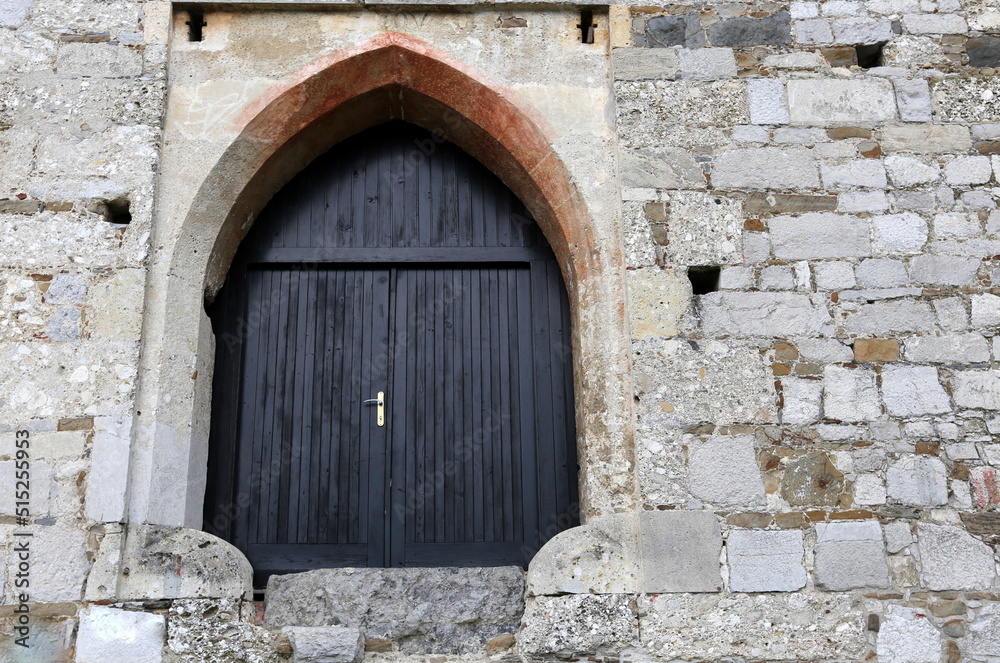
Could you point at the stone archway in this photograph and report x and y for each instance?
(392, 76)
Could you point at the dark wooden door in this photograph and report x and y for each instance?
(394, 263)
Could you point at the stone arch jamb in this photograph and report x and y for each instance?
(391, 76)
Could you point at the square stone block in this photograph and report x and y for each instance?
(680, 551)
(850, 555)
(765, 561)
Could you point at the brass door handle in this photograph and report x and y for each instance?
(380, 412)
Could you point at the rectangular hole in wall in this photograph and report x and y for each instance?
(196, 24)
(586, 26)
(704, 279)
(869, 55)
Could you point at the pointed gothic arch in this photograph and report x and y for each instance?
(393, 76)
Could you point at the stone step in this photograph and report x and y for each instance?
(446, 610)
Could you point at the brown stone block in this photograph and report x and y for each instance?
(792, 520)
(765, 203)
(59, 206)
(500, 643)
(76, 423)
(988, 147)
(19, 206)
(784, 351)
(840, 56)
(382, 646)
(816, 516)
(853, 514)
(948, 608)
(749, 520)
(870, 150)
(808, 368)
(868, 350)
(930, 448)
(982, 524)
(781, 369)
(840, 133)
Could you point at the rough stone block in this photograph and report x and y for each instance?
(952, 348)
(850, 556)
(910, 391)
(907, 636)
(927, 139)
(766, 168)
(898, 535)
(977, 389)
(952, 559)
(914, 99)
(325, 644)
(745, 31)
(634, 64)
(984, 633)
(819, 235)
(936, 24)
(956, 225)
(881, 273)
(812, 480)
(934, 269)
(106, 485)
(869, 490)
(772, 203)
(858, 102)
(601, 557)
(579, 623)
(968, 170)
(834, 275)
(985, 310)
(823, 349)
(707, 64)
(802, 401)
(859, 172)
(813, 31)
(868, 350)
(862, 30)
(795, 60)
(765, 561)
(907, 171)
(918, 480)
(660, 168)
(680, 551)
(65, 324)
(984, 51)
(777, 277)
(658, 299)
(899, 233)
(701, 627)
(678, 30)
(704, 229)
(744, 314)
(985, 486)
(850, 394)
(110, 634)
(426, 610)
(768, 104)
(98, 61)
(723, 472)
(13, 12)
(862, 201)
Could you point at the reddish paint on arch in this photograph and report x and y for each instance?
(422, 85)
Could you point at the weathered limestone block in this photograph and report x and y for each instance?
(647, 110)
(110, 634)
(765, 560)
(766, 168)
(98, 60)
(58, 562)
(768, 103)
(743, 314)
(914, 99)
(910, 391)
(850, 555)
(660, 168)
(580, 624)
(635, 64)
(899, 233)
(757, 627)
(977, 389)
(723, 472)
(676, 30)
(107, 482)
(927, 139)
(985, 310)
(746, 31)
(951, 558)
(948, 349)
(937, 24)
(601, 557)
(984, 632)
(167, 562)
(722, 382)
(819, 235)
(325, 644)
(907, 636)
(881, 273)
(857, 102)
(908, 171)
(834, 275)
(812, 480)
(850, 394)
(658, 300)
(855, 173)
(802, 401)
(889, 317)
(968, 170)
(920, 480)
(707, 64)
(704, 229)
(425, 610)
(869, 490)
(680, 551)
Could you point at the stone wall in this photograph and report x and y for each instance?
(817, 431)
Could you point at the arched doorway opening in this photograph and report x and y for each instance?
(394, 269)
